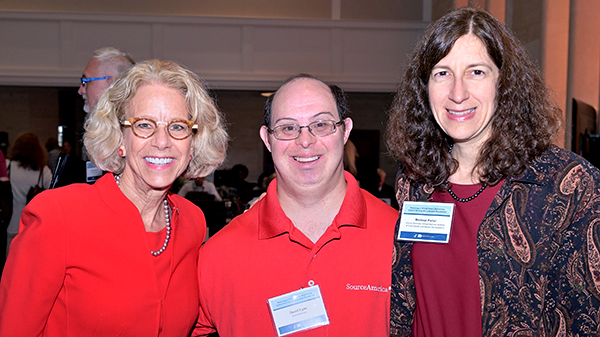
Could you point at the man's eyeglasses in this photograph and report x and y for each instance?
(84, 80)
(145, 127)
(316, 128)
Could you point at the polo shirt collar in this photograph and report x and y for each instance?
(273, 222)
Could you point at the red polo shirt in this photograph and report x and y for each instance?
(260, 255)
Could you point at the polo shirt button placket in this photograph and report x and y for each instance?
(310, 282)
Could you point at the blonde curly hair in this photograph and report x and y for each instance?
(104, 134)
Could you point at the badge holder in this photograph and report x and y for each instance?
(426, 221)
(297, 311)
(92, 173)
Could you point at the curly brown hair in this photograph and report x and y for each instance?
(524, 123)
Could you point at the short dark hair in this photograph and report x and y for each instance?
(341, 100)
(524, 123)
(240, 168)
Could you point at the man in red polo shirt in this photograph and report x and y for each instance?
(313, 257)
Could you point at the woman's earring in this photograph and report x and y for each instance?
(120, 152)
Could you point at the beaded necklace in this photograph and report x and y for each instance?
(167, 219)
(465, 199)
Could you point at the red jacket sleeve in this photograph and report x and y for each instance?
(35, 270)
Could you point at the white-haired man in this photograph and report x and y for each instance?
(102, 69)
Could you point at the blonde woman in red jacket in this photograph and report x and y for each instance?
(118, 258)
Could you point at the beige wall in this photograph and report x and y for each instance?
(560, 34)
(441, 7)
(317, 9)
(27, 109)
(56, 39)
(283, 9)
(555, 56)
(584, 51)
(527, 24)
(382, 10)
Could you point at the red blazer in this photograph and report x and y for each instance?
(81, 267)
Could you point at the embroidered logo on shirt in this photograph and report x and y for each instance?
(367, 287)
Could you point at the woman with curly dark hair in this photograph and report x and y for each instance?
(472, 127)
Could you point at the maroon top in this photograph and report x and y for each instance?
(446, 275)
(3, 172)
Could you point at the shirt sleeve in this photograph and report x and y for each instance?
(212, 189)
(579, 258)
(204, 326)
(35, 270)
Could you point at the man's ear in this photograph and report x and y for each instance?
(349, 124)
(113, 77)
(264, 135)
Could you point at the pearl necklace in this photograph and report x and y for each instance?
(465, 199)
(167, 220)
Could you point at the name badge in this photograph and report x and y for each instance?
(298, 311)
(426, 221)
(92, 173)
